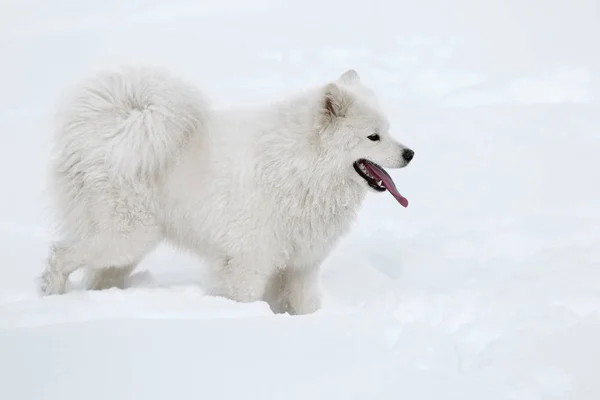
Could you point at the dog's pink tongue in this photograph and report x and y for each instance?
(388, 183)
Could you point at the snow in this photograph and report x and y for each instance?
(486, 287)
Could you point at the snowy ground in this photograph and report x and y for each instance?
(486, 287)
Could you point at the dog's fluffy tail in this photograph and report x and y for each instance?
(129, 125)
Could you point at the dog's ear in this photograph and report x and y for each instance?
(336, 102)
(350, 76)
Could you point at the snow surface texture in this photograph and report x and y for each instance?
(486, 287)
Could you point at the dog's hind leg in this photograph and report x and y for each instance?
(60, 265)
(98, 252)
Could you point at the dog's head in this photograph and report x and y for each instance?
(358, 135)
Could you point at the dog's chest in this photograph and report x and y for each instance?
(313, 225)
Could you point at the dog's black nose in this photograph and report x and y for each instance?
(408, 154)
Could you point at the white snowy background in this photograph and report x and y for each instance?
(487, 287)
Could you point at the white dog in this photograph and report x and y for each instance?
(262, 194)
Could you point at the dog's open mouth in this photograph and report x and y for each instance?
(378, 179)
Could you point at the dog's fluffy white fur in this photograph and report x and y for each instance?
(262, 194)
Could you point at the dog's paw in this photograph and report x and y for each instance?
(304, 305)
(299, 302)
(51, 283)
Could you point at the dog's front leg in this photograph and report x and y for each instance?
(240, 278)
(299, 291)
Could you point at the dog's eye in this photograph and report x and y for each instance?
(374, 137)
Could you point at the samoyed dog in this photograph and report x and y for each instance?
(262, 194)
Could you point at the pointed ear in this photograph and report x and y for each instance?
(336, 102)
(350, 76)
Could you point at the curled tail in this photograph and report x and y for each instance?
(128, 125)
